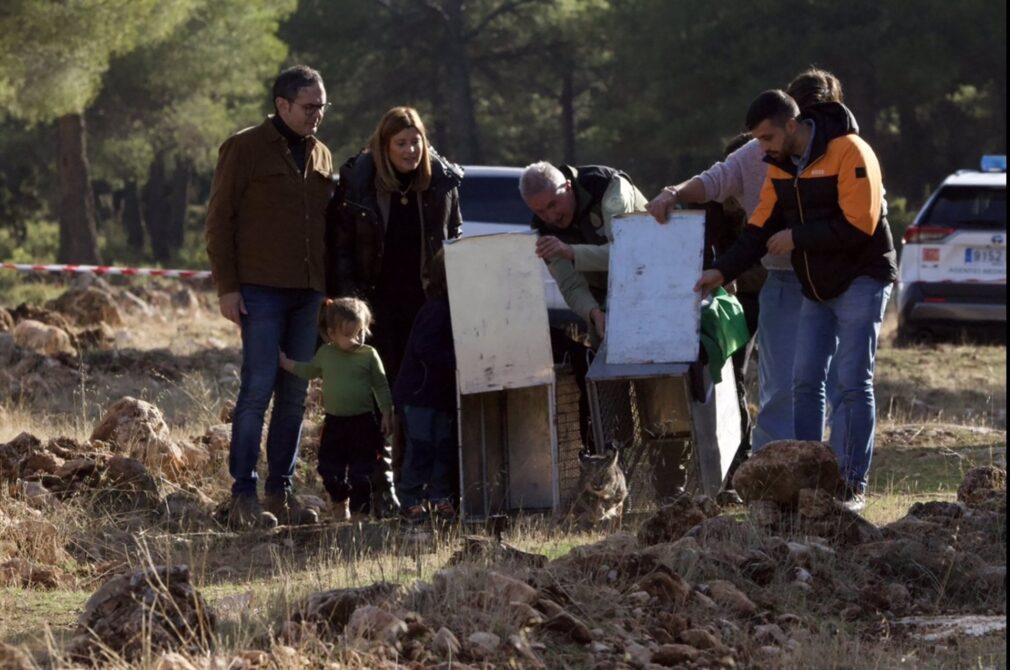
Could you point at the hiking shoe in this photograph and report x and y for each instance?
(289, 510)
(444, 511)
(246, 513)
(414, 515)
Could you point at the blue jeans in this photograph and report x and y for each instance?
(429, 458)
(277, 319)
(845, 329)
(780, 300)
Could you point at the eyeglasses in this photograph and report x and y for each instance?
(313, 109)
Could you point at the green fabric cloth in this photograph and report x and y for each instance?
(350, 379)
(723, 330)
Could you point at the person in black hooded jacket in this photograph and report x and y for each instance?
(396, 202)
(822, 201)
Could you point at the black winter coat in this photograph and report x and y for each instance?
(355, 229)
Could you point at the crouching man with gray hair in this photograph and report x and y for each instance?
(573, 208)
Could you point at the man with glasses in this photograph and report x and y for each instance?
(265, 240)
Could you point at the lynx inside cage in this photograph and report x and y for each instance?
(676, 430)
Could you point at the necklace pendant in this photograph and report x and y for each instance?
(403, 200)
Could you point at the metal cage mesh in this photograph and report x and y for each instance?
(656, 460)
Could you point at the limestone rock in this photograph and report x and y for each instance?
(185, 300)
(483, 644)
(7, 347)
(40, 463)
(726, 594)
(6, 321)
(97, 337)
(173, 661)
(23, 573)
(764, 512)
(779, 470)
(526, 656)
(699, 638)
(24, 311)
(769, 633)
(672, 521)
(524, 615)
(88, 306)
(374, 623)
(14, 658)
(445, 643)
(157, 609)
(669, 587)
(228, 412)
(126, 485)
(140, 428)
(567, 623)
(131, 303)
(670, 655)
(816, 503)
(217, 438)
(330, 611)
(982, 485)
(43, 339)
(507, 589)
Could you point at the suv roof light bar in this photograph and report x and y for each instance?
(993, 163)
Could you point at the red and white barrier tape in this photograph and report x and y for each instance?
(107, 270)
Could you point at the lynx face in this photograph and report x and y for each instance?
(602, 489)
(600, 475)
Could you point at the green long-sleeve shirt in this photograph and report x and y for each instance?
(350, 379)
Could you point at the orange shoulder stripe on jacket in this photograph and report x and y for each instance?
(860, 193)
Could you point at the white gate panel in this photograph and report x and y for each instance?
(499, 312)
(652, 308)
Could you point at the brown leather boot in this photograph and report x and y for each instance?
(246, 513)
(289, 510)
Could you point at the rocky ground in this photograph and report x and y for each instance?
(122, 511)
(693, 588)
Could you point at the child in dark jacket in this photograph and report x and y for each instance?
(425, 391)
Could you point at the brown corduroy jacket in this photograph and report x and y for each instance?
(265, 220)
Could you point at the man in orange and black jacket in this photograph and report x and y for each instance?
(822, 203)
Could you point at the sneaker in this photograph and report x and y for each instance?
(444, 511)
(289, 510)
(246, 513)
(853, 500)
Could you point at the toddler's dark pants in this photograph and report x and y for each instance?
(348, 449)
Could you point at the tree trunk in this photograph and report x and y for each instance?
(156, 214)
(133, 216)
(78, 234)
(465, 140)
(568, 116)
(178, 202)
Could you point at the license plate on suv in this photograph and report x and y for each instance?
(984, 257)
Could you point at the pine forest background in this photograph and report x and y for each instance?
(111, 111)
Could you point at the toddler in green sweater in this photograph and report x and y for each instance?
(353, 383)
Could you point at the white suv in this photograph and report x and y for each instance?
(490, 203)
(953, 263)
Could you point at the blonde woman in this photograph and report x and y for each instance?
(396, 203)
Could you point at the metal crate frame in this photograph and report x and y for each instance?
(617, 409)
(494, 484)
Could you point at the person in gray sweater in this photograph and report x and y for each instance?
(740, 176)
